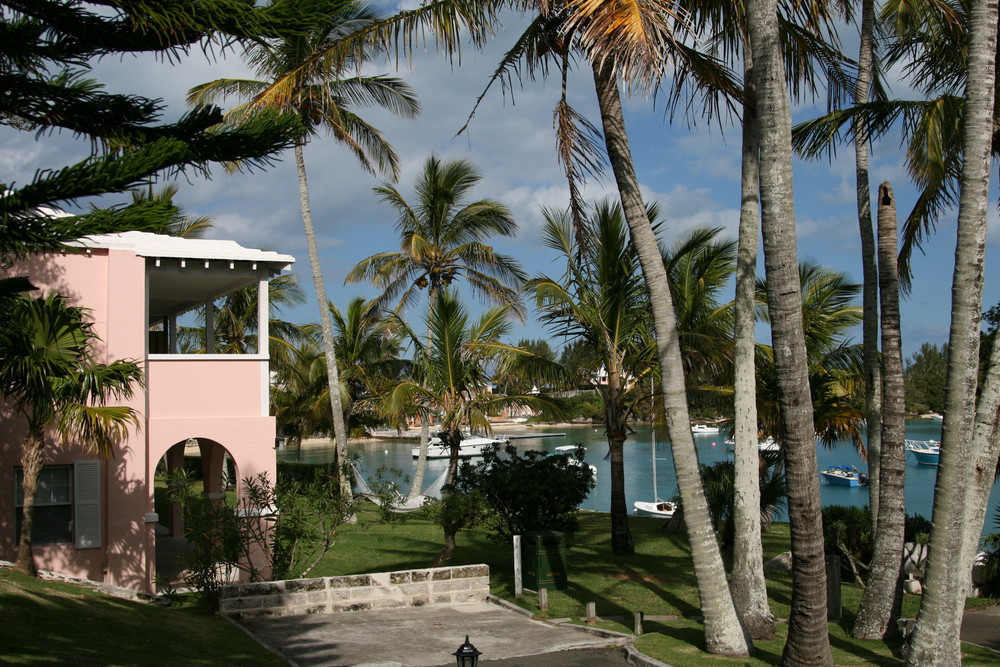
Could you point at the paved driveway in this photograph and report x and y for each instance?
(427, 636)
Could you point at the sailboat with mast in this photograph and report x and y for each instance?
(663, 509)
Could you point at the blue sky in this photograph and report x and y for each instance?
(692, 171)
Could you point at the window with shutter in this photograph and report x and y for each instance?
(87, 504)
(53, 514)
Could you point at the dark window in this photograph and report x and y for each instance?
(53, 516)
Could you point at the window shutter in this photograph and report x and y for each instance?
(87, 503)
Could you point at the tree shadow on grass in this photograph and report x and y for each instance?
(864, 654)
(693, 635)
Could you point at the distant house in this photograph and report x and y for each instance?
(95, 519)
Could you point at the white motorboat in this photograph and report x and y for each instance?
(926, 452)
(472, 445)
(768, 445)
(706, 429)
(569, 451)
(663, 509)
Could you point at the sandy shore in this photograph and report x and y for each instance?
(414, 433)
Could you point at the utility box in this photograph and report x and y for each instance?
(544, 560)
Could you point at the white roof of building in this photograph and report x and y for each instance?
(146, 244)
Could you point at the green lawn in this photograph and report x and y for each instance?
(53, 622)
(48, 622)
(657, 581)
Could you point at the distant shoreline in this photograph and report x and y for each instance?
(413, 434)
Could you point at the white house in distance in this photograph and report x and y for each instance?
(95, 519)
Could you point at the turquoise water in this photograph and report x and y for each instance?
(639, 472)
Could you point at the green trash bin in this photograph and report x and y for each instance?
(544, 560)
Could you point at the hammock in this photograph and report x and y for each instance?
(401, 503)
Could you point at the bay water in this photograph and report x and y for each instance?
(396, 454)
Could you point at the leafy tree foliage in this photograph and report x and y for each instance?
(47, 50)
(581, 360)
(925, 378)
(529, 491)
(538, 347)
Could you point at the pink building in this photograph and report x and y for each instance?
(95, 519)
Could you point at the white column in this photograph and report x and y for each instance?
(210, 327)
(263, 338)
(263, 319)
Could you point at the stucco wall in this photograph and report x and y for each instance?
(383, 590)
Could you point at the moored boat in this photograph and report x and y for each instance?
(925, 452)
(704, 428)
(569, 451)
(472, 445)
(663, 509)
(768, 445)
(844, 476)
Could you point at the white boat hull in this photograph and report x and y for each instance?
(663, 510)
(471, 446)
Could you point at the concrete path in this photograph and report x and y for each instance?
(982, 626)
(427, 636)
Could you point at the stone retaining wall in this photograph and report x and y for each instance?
(381, 590)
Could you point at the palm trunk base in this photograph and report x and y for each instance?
(622, 543)
(445, 554)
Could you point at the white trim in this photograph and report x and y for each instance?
(207, 357)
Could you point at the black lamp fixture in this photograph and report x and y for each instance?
(467, 655)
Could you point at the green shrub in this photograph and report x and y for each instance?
(529, 491)
(847, 532)
(918, 529)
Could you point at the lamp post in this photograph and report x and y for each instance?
(467, 655)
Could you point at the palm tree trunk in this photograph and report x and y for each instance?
(986, 444)
(883, 595)
(749, 587)
(622, 543)
(808, 639)
(425, 431)
(451, 437)
(31, 467)
(936, 639)
(869, 270)
(724, 633)
(326, 326)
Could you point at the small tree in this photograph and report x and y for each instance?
(528, 491)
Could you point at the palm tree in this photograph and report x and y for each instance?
(808, 639)
(883, 595)
(601, 299)
(834, 364)
(49, 371)
(936, 640)
(869, 266)
(723, 632)
(309, 77)
(699, 267)
(442, 240)
(299, 395)
(455, 364)
(368, 349)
